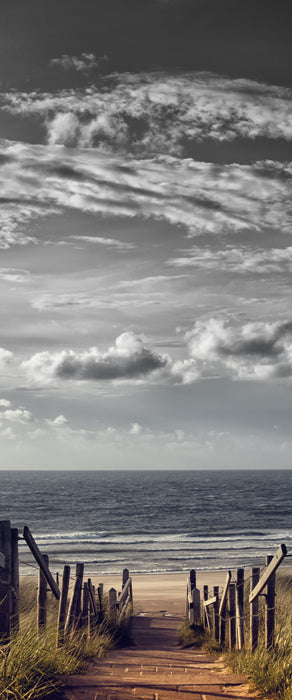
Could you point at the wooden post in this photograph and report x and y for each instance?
(71, 617)
(232, 627)
(207, 617)
(125, 577)
(85, 604)
(254, 610)
(63, 604)
(216, 613)
(42, 597)
(222, 608)
(240, 609)
(112, 599)
(40, 560)
(5, 580)
(100, 601)
(14, 580)
(270, 608)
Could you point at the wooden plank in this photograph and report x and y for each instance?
(239, 609)
(71, 617)
(42, 597)
(216, 612)
(125, 592)
(112, 597)
(125, 577)
(41, 562)
(63, 604)
(14, 580)
(224, 594)
(196, 609)
(207, 617)
(210, 601)
(271, 568)
(254, 610)
(5, 581)
(232, 628)
(270, 609)
(92, 597)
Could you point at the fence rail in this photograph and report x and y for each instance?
(80, 606)
(229, 611)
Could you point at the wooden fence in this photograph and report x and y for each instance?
(78, 607)
(229, 612)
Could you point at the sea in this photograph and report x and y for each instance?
(149, 521)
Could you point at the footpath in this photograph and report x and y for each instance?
(155, 667)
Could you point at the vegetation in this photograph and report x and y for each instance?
(270, 671)
(31, 666)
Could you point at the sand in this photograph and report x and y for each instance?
(162, 592)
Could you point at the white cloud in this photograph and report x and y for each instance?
(4, 403)
(155, 112)
(257, 350)
(128, 359)
(99, 240)
(135, 429)
(5, 358)
(82, 64)
(17, 415)
(243, 260)
(14, 274)
(200, 197)
(58, 422)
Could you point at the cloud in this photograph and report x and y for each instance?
(135, 429)
(152, 113)
(243, 260)
(14, 274)
(58, 422)
(17, 415)
(82, 64)
(201, 197)
(4, 403)
(5, 358)
(257, 350)
(110, 242)
(128, 359)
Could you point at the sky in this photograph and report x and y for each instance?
(145, 234)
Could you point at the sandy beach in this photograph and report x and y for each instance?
(162, 592)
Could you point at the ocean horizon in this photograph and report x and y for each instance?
(149, 521)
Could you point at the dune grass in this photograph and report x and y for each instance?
(31, 667)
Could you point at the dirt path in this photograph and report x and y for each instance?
(156, 668)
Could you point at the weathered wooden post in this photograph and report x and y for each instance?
(112, 600)
(207, 619)
(14, 580)
(71, 617)
(216, 613)
(42, 597)
(63, 604)
(5, 580)
(222, 608)
(85, 604)
(240, 609)
(232, 627)
(100, 601)
(254, 610)
(270, 608)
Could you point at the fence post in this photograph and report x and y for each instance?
(216, 613)
(232, 628)
(85, 604)
(100, 601)
(254, 610)
(71, 617)
(5, 580)
(222, 608)
(14, 579)
(239, 609)
(63, 604)
(207, 617)
(42, 597)
(112, 599)
(270, 608)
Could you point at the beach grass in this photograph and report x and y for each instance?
(31, 665)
